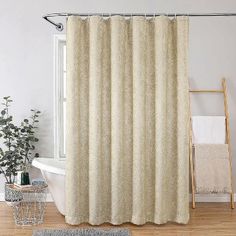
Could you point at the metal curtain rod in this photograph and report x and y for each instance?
(59, 26)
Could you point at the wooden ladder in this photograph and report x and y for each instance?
(226, 110)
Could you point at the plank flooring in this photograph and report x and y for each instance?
(207, 219)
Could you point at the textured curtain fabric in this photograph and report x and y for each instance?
(127, 120)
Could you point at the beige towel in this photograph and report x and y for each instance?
(211, 163)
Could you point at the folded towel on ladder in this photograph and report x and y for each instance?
(211, 163)
(208, 129)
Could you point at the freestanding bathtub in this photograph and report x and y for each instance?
(54, 173)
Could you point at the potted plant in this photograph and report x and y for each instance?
(25, 146)
(9, 156)
(16, 150)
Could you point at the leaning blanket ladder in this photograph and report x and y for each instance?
(226, 110)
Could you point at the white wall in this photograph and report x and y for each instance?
(26, 53)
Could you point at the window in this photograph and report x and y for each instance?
(59, 96)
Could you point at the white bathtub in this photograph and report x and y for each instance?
(54, 173)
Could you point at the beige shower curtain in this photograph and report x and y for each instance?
(127, 120)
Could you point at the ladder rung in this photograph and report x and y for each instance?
(206, 91)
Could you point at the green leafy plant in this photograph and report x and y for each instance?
(26, 139)
(9, 158)
(17, 142)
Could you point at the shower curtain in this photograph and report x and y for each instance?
(127, 120)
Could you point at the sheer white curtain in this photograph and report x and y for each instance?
(127, 120)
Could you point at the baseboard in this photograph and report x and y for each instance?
(198, 197)
(48, 199)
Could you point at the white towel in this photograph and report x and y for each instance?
(208, 129)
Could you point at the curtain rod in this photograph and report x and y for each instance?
(59, 26)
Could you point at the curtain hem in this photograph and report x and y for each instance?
(74, 220)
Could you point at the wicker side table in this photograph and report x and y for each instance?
(30, 210)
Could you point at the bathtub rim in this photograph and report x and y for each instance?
(43, 164)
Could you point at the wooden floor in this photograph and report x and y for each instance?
(206, 219)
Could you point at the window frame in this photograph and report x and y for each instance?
(59, 42)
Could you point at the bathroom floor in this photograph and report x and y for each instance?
(206, 219)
